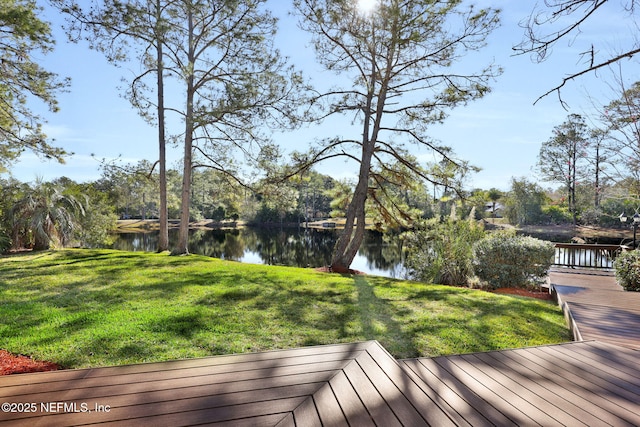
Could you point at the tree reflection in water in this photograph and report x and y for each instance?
(379, 254)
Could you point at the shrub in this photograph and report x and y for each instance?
(5, 242)
(441, 252)
(523, 203)
(509, 261)
(627, 267)
(556, 215)
(592, 216)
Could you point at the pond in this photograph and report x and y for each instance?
(379, 255)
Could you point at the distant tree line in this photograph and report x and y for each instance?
(233, 87)
(596, 167)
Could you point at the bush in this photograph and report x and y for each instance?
(592, 216)
(627, 267)
(5, 242)
(509, 261)
(556, 215)
(523, 203)
(441, 252)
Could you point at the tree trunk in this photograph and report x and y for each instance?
(349, 241)
(572, 189)
(41, 243)
(183, 236)
(353, 233)
(163, 240)
(596, 201)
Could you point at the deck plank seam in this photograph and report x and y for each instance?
(467, 398)
(332, 391)
(550, 396)
(584, 379)
(377, 348)
(506, 381)
(483, 383)
(580, 403)
(383, 392)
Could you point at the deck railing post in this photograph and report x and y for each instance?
(576, 255)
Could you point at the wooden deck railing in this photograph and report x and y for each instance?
(586, 255)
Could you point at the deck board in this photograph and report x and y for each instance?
(465, 402)
(213, 389)
(440, 390)
(354, 410)
(616, 387)
(398, 402)
(581, 383)
(542, 397)
(222, 373)
(502, 411)
(525, 401)
(596, 387)
(580, 403)
(277, 409)
(348, 383)
(597, 307)
(328, 407)
(370, 397)
(307, 414)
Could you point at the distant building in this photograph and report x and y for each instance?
(494, 211)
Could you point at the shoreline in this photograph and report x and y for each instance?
(568, 232)
(143, 225)
(580, 233)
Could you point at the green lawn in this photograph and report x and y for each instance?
(82, 308)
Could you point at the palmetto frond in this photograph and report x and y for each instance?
(46, 216)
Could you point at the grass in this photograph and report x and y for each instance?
(82, 308)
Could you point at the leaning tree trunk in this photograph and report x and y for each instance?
(351, 238)
(353, 234)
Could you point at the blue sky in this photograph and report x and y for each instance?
(501, 133)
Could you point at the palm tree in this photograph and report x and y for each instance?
(494, 195)
(45, 216)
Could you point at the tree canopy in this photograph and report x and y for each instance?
(562, 158)
(218, 56)
(563, 20)
(22, 35)
(397, 63)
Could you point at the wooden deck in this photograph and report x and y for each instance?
(597, 307)
(574, 384)
(359, 384)
(330, 385)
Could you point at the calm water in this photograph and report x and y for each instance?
(378, 255)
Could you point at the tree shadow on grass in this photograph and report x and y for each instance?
(303, 314)
(309, 315)
(478, 323)
(376, 316)
(185, 324)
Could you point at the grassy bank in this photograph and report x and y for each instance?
(84, 308)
